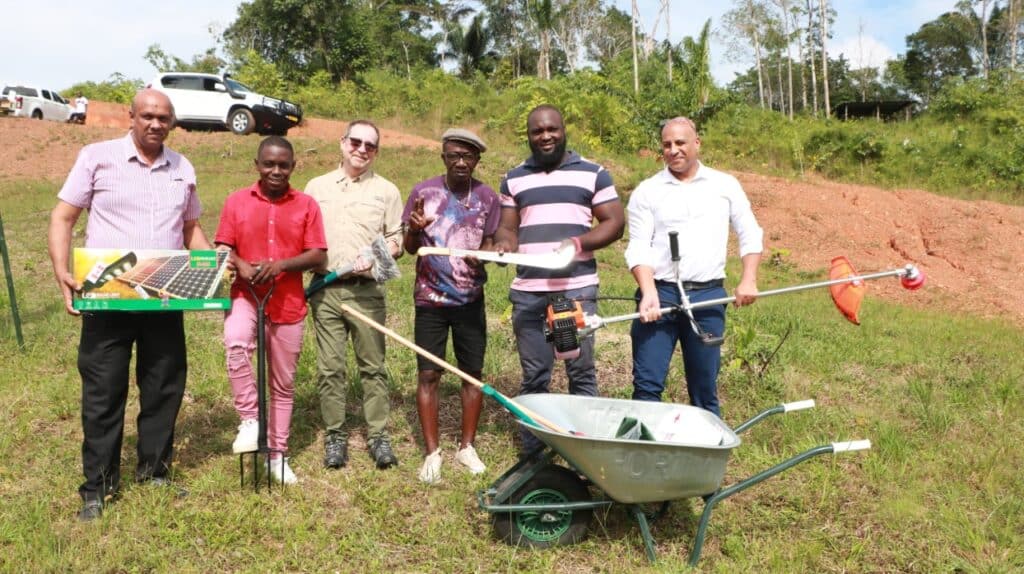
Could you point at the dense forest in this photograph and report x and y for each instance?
(434, 63)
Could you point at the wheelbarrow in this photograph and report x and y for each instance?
(538, 503)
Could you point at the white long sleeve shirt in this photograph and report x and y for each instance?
(702, 211)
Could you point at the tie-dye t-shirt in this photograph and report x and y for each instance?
(459, 223)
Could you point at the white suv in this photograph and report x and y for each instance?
(34, 102)
(208, 100)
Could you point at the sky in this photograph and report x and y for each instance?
(75, 41)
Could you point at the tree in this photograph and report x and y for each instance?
(445, 15)
(341, 37)
(542, 12)
(697, 65)
(472, 47)
(207, 62)
(745, 29)
(823, 4)
(939, 50)
(609, 36)
(573, 21)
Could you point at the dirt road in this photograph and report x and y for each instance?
(971, 251)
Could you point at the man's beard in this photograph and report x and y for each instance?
(548, 160)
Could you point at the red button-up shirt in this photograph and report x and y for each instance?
(259, 229)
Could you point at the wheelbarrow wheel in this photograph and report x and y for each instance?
(542, 529)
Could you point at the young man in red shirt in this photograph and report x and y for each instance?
(275, 233)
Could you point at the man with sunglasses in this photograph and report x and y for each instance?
(357, 206)
(458, 211)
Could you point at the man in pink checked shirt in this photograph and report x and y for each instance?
(139, 195)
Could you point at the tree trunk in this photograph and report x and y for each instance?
(810, 56)
(803, 68)
(824, 56)
(782, 88)
(1014, 29)
(636, 63)
(789, 52)
(668, 36)
(984, 40)
(760, 71)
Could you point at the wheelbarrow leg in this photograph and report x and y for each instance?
(645, 531)
(709, 503)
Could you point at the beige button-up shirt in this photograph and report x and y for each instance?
(355, 211)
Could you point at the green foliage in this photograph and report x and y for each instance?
(970, 143)
(262, 76)
(116, 88)
(207, 62)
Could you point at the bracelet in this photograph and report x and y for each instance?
(576, 242)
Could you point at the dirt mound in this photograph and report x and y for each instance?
(970, 250)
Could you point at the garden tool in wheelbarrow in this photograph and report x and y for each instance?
(567, 323)
(382, 266)
(262, 448)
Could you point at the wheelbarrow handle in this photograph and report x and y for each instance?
(798, 405)
(850, 446)
(777, 409)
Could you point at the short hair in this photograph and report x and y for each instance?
(541, 108)
(275, 141)
(355, 123)
(679, 120)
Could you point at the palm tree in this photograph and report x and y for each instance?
(445, 14)
(472, 46)
(698, 63)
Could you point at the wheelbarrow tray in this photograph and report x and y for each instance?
(635, 471)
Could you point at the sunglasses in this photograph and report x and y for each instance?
(357, 143)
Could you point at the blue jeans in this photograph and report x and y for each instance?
(654, 343)
(537, 356)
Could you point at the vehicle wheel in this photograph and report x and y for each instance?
(37, 114)
(241, 122)
(543, 529)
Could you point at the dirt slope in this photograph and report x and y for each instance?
(971, 251)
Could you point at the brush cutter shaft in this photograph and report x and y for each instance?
(793, 289)
(594, 323)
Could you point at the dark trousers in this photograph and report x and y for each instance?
(104, 354)
(537, 356)
(654, 343)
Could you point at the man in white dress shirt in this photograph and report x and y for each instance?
(700, 204)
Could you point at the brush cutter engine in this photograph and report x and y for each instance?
(562, 326)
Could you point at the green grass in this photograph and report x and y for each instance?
(938, 393)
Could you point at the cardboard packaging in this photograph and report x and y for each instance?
(151, 280)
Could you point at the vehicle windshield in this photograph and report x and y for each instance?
(237, 86)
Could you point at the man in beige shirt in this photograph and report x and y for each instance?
(357, 206)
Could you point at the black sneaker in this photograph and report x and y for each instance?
(91, 510)
(335, 452)
(380, 450)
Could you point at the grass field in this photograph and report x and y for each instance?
(939, 395)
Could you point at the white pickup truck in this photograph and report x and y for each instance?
(34, 102)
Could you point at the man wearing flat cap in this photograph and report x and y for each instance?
(453, 210)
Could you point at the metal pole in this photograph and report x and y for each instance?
(726, 300)
(10, 287)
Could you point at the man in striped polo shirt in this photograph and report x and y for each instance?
(140, 195)
(549, 200)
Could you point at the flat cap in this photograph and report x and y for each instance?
(464, 136)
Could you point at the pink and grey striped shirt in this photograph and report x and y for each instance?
(132, 205)
(554, 206)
